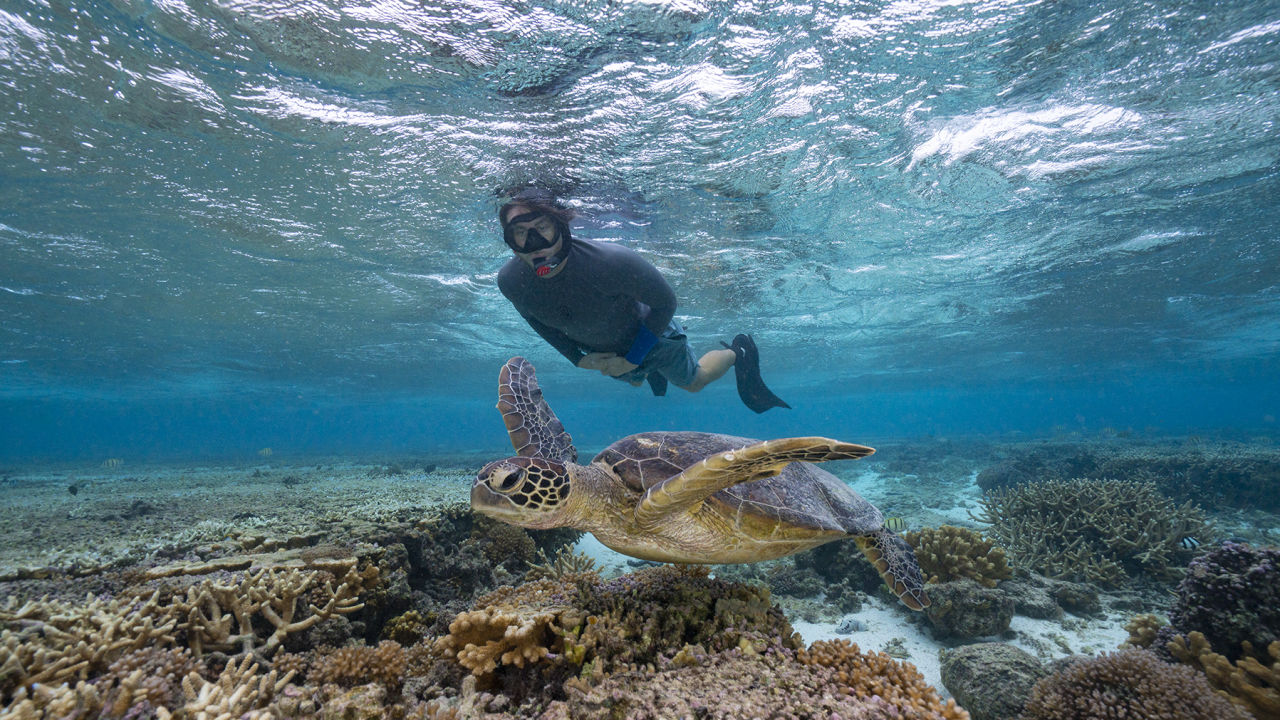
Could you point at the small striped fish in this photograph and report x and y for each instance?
(112, 463)
(1189, 543)
(895, 524)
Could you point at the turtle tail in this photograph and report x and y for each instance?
(893, 559)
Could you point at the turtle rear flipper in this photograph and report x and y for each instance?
(534, 429)
(893, 559)
(680, 493)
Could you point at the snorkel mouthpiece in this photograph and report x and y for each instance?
(543, 266)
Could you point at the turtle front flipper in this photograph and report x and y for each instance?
(893, 559)
(534, 429)
(681, 493)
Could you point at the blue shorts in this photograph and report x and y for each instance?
(672, 358)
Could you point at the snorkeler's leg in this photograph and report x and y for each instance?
(751, 387)
(711, 367)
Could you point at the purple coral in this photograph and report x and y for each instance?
(1231, 594)
(1127, 684)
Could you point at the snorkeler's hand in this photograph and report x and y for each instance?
(610, 364)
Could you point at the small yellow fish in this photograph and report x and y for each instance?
(265, 452)
(112, 463)
(895, 524)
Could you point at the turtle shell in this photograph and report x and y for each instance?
(803, 495)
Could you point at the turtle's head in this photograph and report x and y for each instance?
(524, 491)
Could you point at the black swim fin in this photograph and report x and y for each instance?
(751, 388)
(657, 383)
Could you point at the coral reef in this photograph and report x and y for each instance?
(1232, 595)
(724, 686)
(524, 639)
(1248, 683)
(876, 674)
(951, 553)
(51, 641)
(384, 664)
(1100, 531)
(1127, 684)
(1223, 474)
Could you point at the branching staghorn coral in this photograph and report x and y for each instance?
(1248, 683)
(1099, 531)
(950, 553)
(209, 609)
(49, 641)
(565, 563)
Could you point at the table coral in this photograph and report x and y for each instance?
(951, 553)
(876, 674)
(1127, 684)
(1099, 531)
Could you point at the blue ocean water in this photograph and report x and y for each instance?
(227, 226)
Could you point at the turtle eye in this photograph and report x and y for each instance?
(504, 480)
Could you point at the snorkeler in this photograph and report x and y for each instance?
(605, 308)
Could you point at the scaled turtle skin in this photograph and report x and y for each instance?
(685, 497)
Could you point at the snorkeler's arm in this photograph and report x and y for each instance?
(509, 284)
(558, 340)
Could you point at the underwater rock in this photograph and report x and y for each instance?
(965, 609)
(1076, 598)
(991, 680)
(1031, 600)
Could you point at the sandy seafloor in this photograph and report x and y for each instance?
(82, 517)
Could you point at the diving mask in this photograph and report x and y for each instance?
(531, 235)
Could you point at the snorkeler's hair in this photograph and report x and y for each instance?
(539, 200)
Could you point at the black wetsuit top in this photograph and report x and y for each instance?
(595, 303)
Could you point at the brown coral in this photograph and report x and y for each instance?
(1248, 683)
(1142, 630)
(351, 666)
(1127, 684)
(480, 640)
(876, 674)
(951, 553)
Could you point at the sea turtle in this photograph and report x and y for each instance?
(684, 497)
